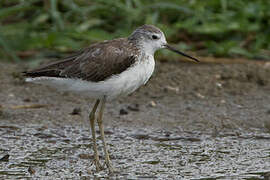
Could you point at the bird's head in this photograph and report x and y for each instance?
(151, 39)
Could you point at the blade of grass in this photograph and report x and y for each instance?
(56, 15)
(8, 11)
(8, 50)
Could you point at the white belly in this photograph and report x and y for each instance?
(130, 80)
(118, 85)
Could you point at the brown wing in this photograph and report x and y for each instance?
(95, 63)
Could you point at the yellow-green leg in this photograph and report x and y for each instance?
(92, 124)
(101, 128)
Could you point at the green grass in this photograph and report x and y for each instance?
(33, 29)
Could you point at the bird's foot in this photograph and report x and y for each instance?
(112, 170)
(99, 167)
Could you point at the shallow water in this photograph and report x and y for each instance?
(42, 152)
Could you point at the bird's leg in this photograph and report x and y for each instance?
(101, 128)
(92, 124)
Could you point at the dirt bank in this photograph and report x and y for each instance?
(189, 96)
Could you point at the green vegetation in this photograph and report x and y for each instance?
(32, 29)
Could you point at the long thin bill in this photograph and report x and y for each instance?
(179, 52)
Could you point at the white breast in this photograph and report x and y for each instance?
(129, 80)
(118, 85)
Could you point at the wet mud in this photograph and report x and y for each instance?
(191, 121)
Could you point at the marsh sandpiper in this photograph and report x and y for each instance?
(105, 71)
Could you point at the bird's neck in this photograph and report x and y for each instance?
(144, 47)
(148, 48)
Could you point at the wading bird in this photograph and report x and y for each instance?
(105, 71)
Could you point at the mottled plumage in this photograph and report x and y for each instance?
(95, 63)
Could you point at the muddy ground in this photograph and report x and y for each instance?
(191, 121)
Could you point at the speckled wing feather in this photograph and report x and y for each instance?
(95, 63)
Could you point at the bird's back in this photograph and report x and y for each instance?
(95, 63)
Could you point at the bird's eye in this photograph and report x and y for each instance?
(154, 37)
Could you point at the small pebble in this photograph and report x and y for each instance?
(5, 158)
(76, 111)
(188, 108)
(134, 107)
(171, 89)
(200, 95)
(123, 112)
(31, 170)
(219, 85)
(85, 156)
(27, 100)
(152, 104)
(140, 136)
(106, 132)
(167, 134)
(222, 101)
(43, 135)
